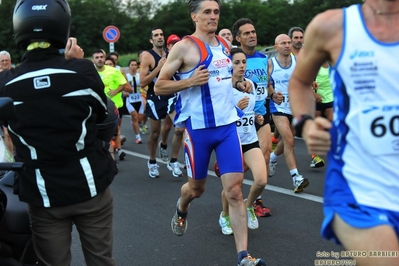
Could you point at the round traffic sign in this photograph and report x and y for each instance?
(111, 34)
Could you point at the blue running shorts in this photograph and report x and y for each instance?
(358, 216)
(199, 144)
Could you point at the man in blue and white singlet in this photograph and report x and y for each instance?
(205, 106)
(361, 199)
(280, 70)
(244, 33)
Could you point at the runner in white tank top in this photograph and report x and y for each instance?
(280, 70)
(206, 106)
(135, 102)
(253, 156)
(361, 204)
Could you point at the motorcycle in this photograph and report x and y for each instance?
(16, 247)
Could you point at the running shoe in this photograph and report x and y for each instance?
(272, 168)
(153, 170)
(216, 169)
(317, 162)
(224, 222)
(260, 210)
(163, 153)
(250, 261)
(175, 169)
(138, 141)
(179, 224)
(300, 183)
(121, 155)
(252, 220)
(143, 130)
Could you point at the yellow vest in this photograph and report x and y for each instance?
(112, 79)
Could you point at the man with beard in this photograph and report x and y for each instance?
(296, 36)
(114, 84)
(159, 107)
(245, 34)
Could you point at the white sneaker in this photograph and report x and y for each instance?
(272, 168)
(252, 220)
(299, 183)
(163, 153)
(224, 223)
(175, 169)
(153, 170)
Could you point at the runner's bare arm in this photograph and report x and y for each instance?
(128, 87)
(322, 37)
(322, 29)
(277, 97)
(145, 75)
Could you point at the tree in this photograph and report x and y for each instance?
(6, 30)
(135, 19)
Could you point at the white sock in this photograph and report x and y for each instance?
(295, 175)
(273, 157)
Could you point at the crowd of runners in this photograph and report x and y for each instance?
(217, 93)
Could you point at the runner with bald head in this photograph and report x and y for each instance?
(280, 70)
(226, 33)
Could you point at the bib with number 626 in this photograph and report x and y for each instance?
(246, 124)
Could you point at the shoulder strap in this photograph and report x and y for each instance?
(205, 51)
(223, 41)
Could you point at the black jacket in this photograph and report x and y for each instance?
(58, 103)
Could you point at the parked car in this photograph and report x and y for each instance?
(269, 51)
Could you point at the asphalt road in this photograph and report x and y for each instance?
(144, 208)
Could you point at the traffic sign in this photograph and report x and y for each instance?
(111, 34)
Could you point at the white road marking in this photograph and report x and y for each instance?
(246, 181)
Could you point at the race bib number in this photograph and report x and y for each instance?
(261, 92)
(135, 97)
(246, 123)
(380, 128)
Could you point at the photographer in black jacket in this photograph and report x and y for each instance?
(58, 101)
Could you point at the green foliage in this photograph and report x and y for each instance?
(123, 60)
(135, 19)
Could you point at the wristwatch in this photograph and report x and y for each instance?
(298, 122)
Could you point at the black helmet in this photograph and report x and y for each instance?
(38, 20)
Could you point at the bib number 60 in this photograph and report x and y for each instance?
(379, 128)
